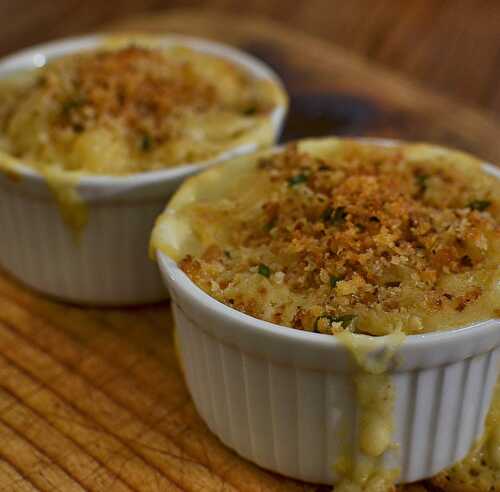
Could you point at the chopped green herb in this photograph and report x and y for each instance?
(334, 216)
(393, 284)
(146, 143)
(466, 261)
(264, 270)
(339, 216)
(250, 110)
(345, 320)
(297, 179)
(422, 181)
(479, 205)
(334, 280)
(71, 104)
(227, 254)
(327, 214)
(271, 224)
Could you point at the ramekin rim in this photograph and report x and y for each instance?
(54, 48)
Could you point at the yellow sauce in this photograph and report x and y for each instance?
(71, 205)
(375, 394)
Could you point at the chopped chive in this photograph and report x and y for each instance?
(479, 205)
(327, 214)
(264, 270)
(466, 261)
(146, 143)
(334, 280)
(334, 216)
(270, 225)
(297, 179)
(422, 180)
(345, 320)
(393, 284)
(250, 110)
(339, 216)
(71, 104)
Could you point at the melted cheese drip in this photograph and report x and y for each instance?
(375, 397)
(71, 205)
(63, 186)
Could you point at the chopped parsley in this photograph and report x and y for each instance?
(146, 143)
(250, 110)
(298, 179)
(479, 205)
(271, 224)
(422, 181)
(264, 270)
(71, 104)
(334, 216)
(327, 214)
(393, 284)
(334, 280)
(339, 216)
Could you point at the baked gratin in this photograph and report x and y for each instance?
(134, 106)
(332, 236)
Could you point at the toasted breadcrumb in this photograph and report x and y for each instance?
(363, 240)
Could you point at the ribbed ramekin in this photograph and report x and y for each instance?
(285, 399)
(108, 264)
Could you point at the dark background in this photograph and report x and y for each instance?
(451, 46)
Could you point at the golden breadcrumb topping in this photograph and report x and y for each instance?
(130, 109)
(362, 239)
(139, 87)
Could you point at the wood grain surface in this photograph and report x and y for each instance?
(453, 46)
(94, 400)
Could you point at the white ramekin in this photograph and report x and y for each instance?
(285, 398)
(109, 264)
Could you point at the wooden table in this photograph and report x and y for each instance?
(93, 400)
(452, 46)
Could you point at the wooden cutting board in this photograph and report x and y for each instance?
(93, 399)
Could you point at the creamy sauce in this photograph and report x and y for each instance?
(375, 394)
(63, 186)
(71, 205)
